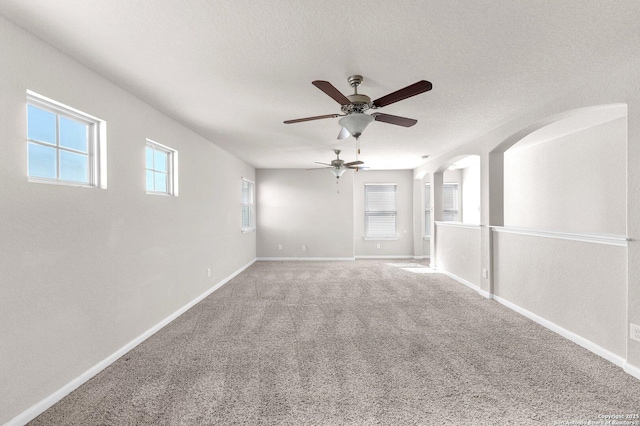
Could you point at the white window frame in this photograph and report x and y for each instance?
(246, 183)
(367, 213)
(96, 142)
(172, 168)
(427, 211)
(453, 209)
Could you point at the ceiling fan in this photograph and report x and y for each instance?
(338, 166)
(353, 107)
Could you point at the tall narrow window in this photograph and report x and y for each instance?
(160, 169)
(248, 215)
(450, 210)
(427, 210)
(63, 144)
(380, 211)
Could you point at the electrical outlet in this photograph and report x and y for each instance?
(378, 245)
(635, 331)
(304, 247)
(485, 273)
(209, 272)
(279, 246)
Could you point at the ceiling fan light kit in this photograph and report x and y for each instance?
(355, 123)
(338, 172)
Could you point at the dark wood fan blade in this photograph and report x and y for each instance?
(409, 91)
(328, 88)
(324, 164)
(353, 163)
(317, 117)
(357, 167)
(344, 133)
(394, 119)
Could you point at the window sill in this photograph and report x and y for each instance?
(427, 238)
(390, 238)
(246, 231)
(60, 182)
(164, 194)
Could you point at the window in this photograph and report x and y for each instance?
(450, 191)
(63, 145)
(380, 211)
(161, 163)
(248, 215)
(427, 210)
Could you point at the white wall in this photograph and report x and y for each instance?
(420, 203)
(560, 278)
(471, 194)
(300, 207)
(303, 207)
(458, 251)
(403, 246)
(452, 176)
(85, 271)
(575, 183)
(579, 286)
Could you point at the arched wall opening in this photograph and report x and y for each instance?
(559, 255)
(570, 174)
(455, 240)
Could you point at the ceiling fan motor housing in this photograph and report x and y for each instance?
(337, 163)
(359, 103)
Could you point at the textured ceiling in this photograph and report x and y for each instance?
(233, 71)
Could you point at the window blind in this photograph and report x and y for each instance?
(427, 210)
(380, 210)
(247, 206)
(450, 207)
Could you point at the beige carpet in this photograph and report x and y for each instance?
(365, 342)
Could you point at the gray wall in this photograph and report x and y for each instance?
(578, 286)
(458, 251)
(579, 180)
(471, 194)
(574, 183)
(303, 207)
(84, 271)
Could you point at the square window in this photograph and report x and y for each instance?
(161, 166)
(63, 145)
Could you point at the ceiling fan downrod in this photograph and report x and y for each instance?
(358, 103)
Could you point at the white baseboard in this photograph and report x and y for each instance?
(421, 257)
(630, 369)
(385, 257)
(469, 284)
(305, 259)
(587, 344)
(40, 407)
